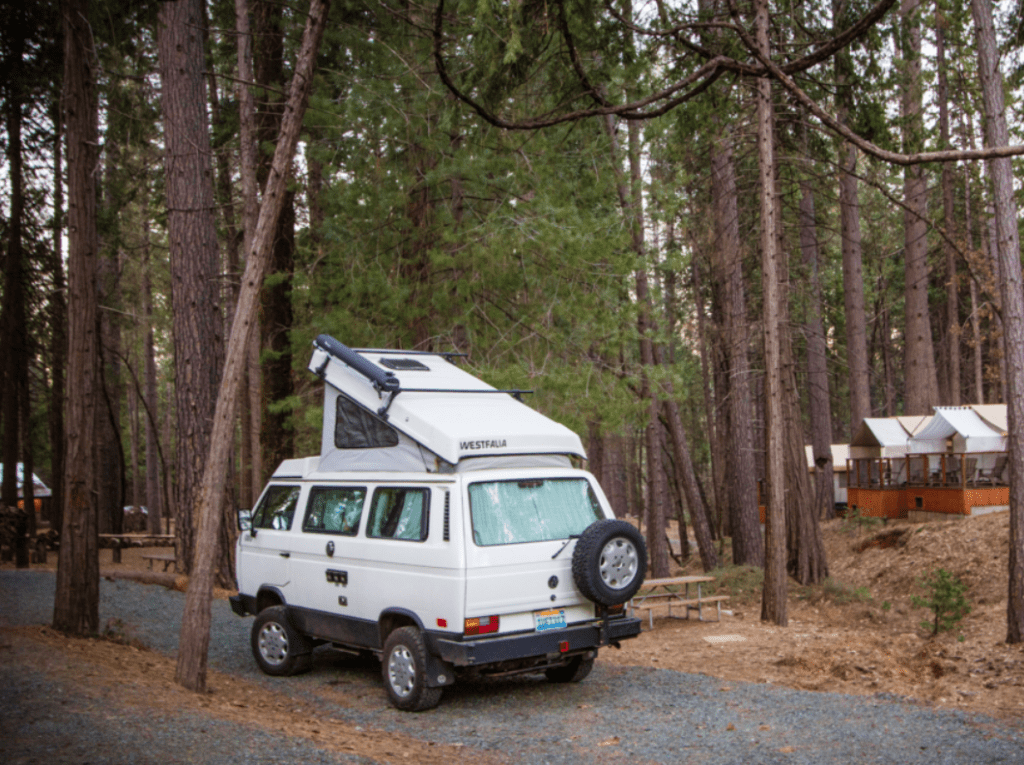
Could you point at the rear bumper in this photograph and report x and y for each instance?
(471, 653)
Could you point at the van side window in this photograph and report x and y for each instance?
(334, 510)
(399, 513)
(276, 509)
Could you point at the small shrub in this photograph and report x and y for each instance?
(835, 591)
(854, 521)
(945, 599)
(886, 605)
(741, 583)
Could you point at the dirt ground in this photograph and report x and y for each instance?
(844, 639)
(859, 633)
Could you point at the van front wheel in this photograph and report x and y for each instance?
(277, 646)
(404, 668)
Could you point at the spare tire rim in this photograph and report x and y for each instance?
(618, 563)
(273, 643)
(401, 671)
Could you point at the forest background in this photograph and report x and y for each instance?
(572, 194)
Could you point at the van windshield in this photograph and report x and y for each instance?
(512, 512)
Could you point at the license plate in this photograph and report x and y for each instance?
(551, 619)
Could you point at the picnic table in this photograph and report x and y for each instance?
(136, 539)
(675, 591)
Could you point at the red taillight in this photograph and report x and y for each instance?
(481, 625)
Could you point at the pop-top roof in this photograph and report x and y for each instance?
(439, 406)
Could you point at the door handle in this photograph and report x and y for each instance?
(285, 554)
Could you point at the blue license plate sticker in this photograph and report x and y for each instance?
(551, 619)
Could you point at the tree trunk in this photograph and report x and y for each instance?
(747, 544)
(195, 625)
(58, 339)
(853, 267)
(276, 311)
(1012, 287)
(250, 396)
(193, 253)
(76, 600)
(921, 384)
(13, 329)
(817, 360)
(952, 368)
(153, 460)
(774, 599)
(688, 482)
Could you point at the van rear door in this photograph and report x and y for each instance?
(519, 554)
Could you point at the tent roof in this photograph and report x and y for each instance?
(840, 453)
(962, 424)
(993, 414)
(438, 405)
(39, 489)
(881, 431)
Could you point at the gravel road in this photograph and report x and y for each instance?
(618, 713)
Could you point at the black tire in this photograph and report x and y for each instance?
(609, 562)
(575, 670)
(279, 649)
(403, 667)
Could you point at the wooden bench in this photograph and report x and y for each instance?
(675, 591)
(166, 558)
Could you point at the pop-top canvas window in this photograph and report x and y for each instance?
(356, 428)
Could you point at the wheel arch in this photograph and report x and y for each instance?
(268, 596)
(392, 618)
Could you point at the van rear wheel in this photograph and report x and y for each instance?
(404, 669)
(575, 670)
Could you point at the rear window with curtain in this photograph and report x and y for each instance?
(513, 512)
(399, 513)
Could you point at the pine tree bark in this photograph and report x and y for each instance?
(250, 396)
(774, 606)
(57, 310)
(740, 469)
(952, 368)
(819, 404)
(853, 268)
(921, 391)
(193, 253)
(194, 639)
(276, 318)
(13, 329)
(76, 600)
(1012, 288)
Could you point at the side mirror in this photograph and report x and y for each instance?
(245, 521)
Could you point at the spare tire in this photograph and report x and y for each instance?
(609, 562)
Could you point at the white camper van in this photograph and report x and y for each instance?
(443, 528)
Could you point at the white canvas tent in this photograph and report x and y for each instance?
(409, 411)
(880, 437)
(39, 489)
(957, 430)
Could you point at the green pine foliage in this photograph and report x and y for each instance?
(946, 598)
